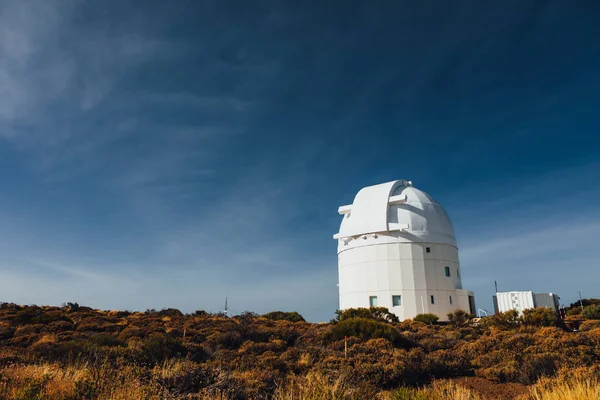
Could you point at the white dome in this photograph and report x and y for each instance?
(397, 212)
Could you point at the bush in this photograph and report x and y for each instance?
(459, 318)
(428, 318)
(366, 329)
(71, 351)
(158, 347)
(376, 313)
(292, 316)
(584, 302)
(505, 320)
(591, 312)
(574, 312)
(540, 316)
(105, 339)
(6, 332)
(247, 317)
(589, 325)
(72, 307)
(230, 340)
(35, 315)
(170, 312)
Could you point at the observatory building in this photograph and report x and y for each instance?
(396, 249)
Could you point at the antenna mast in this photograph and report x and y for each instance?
(226, 310)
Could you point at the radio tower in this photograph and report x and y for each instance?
(226, 311)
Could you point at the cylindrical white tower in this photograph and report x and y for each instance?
(396, 249)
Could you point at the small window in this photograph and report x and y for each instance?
(427, 249)
(447, 271)
(432, 299)
(373, 301)
(458, 273)
(396, 301)
(450, 300)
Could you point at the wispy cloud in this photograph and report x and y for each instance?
(74, 272)
(53, 78)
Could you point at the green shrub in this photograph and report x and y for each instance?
(365, 329)
(428, 318)
(71, 307)
(170, 312)
(591, 312)
(157, 347)
(6, 332)
(574, 311)
(230, 340)
(376, 313)
(584, 302)
(200, 313)
(291, 316)
(539, 316)
(459, 318)
(505, 320)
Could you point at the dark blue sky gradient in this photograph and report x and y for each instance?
(170, 154)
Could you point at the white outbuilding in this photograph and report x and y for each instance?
(396, 249)
(521, 301)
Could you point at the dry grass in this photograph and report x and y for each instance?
(314, 386)
(439, 390)
(52, 381)
(46, 380)
(173, 368)
(443, 390)
(559, 389)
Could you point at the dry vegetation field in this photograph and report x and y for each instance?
(74, 352)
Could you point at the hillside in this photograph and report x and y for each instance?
(76, 352)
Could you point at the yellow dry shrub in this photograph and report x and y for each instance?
(589, 325)
(305, 360)
(51, 338)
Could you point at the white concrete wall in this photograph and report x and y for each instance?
(404, 269)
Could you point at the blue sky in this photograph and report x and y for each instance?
(170, 154)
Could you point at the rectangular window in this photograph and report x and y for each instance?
(396, 301)
(427, 249)
(373, 301)
(458, 273)
(450, 300)
(432, 300)
(447, 271)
